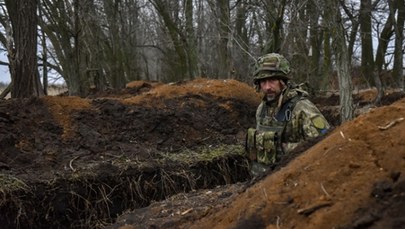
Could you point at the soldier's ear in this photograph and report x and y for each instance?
(282, 83)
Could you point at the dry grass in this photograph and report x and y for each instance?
(91, 200)
(52, 90)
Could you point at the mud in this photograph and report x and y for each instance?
(168, 155)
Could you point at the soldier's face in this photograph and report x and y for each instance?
(271, 88)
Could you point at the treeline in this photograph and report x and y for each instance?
(95, 44)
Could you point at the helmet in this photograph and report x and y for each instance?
(271, 65)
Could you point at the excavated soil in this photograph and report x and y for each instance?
(160, 155)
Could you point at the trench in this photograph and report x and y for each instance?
(96, 201)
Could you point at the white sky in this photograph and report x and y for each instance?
(4, 73)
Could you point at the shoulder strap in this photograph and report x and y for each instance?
(285, 112)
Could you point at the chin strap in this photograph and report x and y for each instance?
(280, 98)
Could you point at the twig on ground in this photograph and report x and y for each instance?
(278, 222)
(71, 163)
(311, 209)
(324, 190)
(341, 134)
(112, 155)
(187, 211)
(391, 124)
(265, 193)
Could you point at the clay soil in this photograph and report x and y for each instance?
(157, 155)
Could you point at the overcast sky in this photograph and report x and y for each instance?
(4, 73)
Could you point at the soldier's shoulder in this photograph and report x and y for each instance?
(304, 103)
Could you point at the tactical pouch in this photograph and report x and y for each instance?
(251, 144)
(261, 146)
(266, 147)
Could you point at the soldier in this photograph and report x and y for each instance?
(284, 118)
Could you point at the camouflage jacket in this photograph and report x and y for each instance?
(303, 121)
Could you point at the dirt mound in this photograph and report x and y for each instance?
(72, 162)
(171, 154)
(352, 179)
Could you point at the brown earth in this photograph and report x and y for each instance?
(171, 156)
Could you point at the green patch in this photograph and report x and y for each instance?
(9, 183)
(319, 122)
(205, 153)
(91, 194)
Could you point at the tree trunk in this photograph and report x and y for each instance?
(275, 19)
(354, 28)
(191, 40)
(44, 55)
(74, 85)
(178, 58)
(345, 82)
(342, 61)
(399, 49)
(239, 70)
(116, 58)
(23, 56)
(383, 41)
(327, 57)
(367, 60)
(315, 75)
(224, 38)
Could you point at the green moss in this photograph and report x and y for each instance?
(205, 153)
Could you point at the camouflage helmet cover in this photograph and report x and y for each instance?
(271, 65)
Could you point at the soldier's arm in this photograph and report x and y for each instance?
(308, 122)
(313, 123)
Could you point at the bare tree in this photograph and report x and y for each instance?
(316, 37)
(60, 28)
(182, 60)
(99, 37)
(106, 43)
(22, 49)
(383, 41)
(333, 16)
(367, 59)
(299, 44)
(224, 23)
(327, 66)
(44, 54)
(241, 35)
(192, 61)
(399, 41)
(275, 11)
(353, 16)
(115, 48)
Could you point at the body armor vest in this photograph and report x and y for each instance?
(264, 143)
(277, 123)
